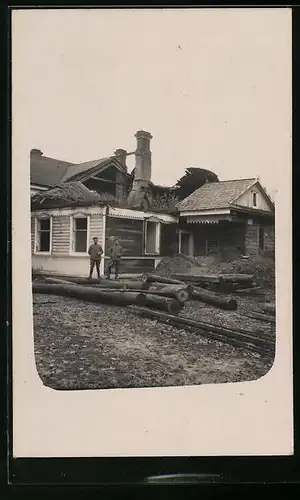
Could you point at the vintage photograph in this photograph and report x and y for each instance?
(152, 207)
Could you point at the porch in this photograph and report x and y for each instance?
(229, 238)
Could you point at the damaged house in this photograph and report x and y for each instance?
(70, 204)
(73, 203)
(232, 218)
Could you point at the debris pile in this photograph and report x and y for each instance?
(262, 267)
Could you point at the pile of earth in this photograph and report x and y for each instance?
(262, 267)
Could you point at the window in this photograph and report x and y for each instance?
(254, 196)
(43, 234)
(79, 234)
(212, 246)
(261, 238)
(152, 237)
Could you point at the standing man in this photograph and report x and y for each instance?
(95, 252)
(115, 252)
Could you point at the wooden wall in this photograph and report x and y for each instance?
(61, 232)
(60, 235)
(128, 231)
(252, 240)
(32, 233)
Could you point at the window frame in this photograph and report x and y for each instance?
(254, 199)
(71, 246)
(207, 246)
(157, 237)
(37, 219)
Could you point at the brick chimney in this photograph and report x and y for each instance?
(140, 194)
(122, 155)
(143, 156)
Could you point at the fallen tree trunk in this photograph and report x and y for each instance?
(162, 303)
(182, 293)
(194, 278)
(237, 278)
(269, 308)
(214, 332)
(115, 284)
(90, 294)
(58, 281)
(156, 278)
(261, 317)
(159, 293)
(214, 299)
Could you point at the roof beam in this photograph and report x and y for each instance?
(107, 181)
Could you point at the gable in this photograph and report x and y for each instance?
(215, 195)
(83, 171)
(246, 199)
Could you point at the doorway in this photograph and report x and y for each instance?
(261, 238)
(186, 243)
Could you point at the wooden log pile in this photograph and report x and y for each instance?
(163, 298)
(156, 289)
(223, 283)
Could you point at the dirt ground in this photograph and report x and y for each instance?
(80, 345)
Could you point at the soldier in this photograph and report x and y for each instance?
(115, 253)
(95, 252)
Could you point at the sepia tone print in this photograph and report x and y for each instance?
(141, 285)
(151, 150)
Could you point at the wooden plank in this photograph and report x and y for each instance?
(129, 232)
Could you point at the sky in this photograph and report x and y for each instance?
(213, 87)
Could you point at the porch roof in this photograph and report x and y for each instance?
(127, 213)
(233, 214)
(215, 195)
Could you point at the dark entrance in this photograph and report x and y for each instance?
(261, 238)
(186, 243)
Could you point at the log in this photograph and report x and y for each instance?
(194, 278)
(76, 280)
(162, 303)
(214, 299)
(214, 332)
(156, 278)
(237, 278)
(234, 280)
(58, 280)
(90, 294)
(269, 308)
(182, 293)
(115, 284)
(159, 293)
